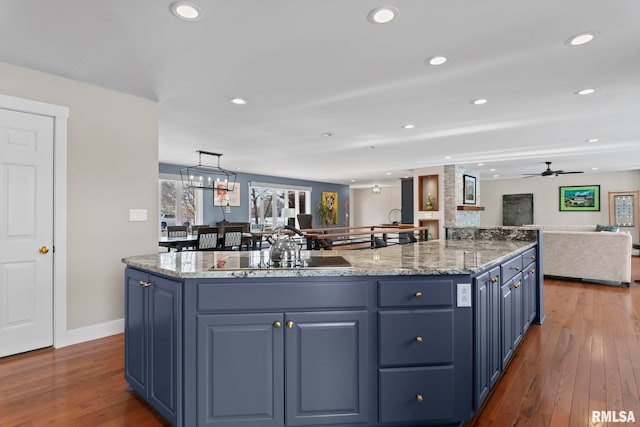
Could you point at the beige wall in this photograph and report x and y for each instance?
(546, 197)
(112, 167)
(372, 209)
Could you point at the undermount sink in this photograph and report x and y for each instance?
(325, 262)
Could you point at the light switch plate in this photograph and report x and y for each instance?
(464, 294)
(137, 214)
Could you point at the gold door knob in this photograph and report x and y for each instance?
(277, 324)
(290, 324)
(418, 294)
(419, 397)
(143, 283)
(494, 279)
(44, 249)
(418, 339)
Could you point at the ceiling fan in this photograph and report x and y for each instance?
(549, 172)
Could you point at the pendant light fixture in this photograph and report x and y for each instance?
(204, 177)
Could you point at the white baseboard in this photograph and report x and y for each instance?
(93, 332)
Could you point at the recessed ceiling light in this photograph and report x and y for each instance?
(587, 91)
(187, 11)
(593, 140)
(353, 180)
(594, 169)
(238, 101)
(479, 101)
(409, 126)
(492, 170)
(388, 173)
(437, 60)
(327, 134)
(447, 157)
(382, 15)
(480, 164)
(496, 176)
(580, 39)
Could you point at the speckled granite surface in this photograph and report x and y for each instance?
(431, 258)
(526, 234)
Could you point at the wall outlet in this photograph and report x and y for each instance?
(464, 294)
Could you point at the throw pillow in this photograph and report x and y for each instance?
(611, 228)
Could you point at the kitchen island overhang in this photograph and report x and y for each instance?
(398, 333)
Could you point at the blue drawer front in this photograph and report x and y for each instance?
(416, 337)
(416, 293)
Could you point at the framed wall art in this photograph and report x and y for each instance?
(583, 198)
(469, 190)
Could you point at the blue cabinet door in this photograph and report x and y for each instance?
(135, 331)
(518, 324)
(482, 318)
(506, 322)
(495, 359)
(165, 346)
(326, 368)
(240, 370)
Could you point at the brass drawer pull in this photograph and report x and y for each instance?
(418, 339)
(533, 271)
(516, 268)
(419, 397)
(143, 283)
(277, 324)
(290, 324)
(516, 285)
(418, 294)
(494, 280)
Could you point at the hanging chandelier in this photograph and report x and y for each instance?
(206, 177)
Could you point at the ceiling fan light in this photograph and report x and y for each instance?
(586, 91)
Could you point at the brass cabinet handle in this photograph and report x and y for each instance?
(533, 270)
(533, 257)
(418, 339)
(290, 324)
(419, 397)
(494, 279)
(43, 250)
(418, 294)
(144, 283)
(516, 285)
(277, 324)
(516, 268)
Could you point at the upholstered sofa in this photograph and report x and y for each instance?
(581, 252)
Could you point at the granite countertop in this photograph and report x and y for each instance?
(422, 258)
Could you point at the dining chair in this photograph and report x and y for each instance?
(207, 239)
(305, 220)
(195, 228)
(231, 238)
(176, 231)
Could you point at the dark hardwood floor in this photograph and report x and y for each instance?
(585, 357)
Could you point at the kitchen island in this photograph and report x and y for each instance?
(403, 335)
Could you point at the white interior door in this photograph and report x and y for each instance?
(26, 232)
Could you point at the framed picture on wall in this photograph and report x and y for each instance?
(583, 198)
(221, 196)
(469, 189)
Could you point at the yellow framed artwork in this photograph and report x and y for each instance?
(330, 200)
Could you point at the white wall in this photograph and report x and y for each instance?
(112, 167)
(372, 209)
(546, 197)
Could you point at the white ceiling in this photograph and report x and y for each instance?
(312, 66)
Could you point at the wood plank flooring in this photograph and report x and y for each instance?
(585, 357)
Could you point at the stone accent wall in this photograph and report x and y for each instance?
(453, 196)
